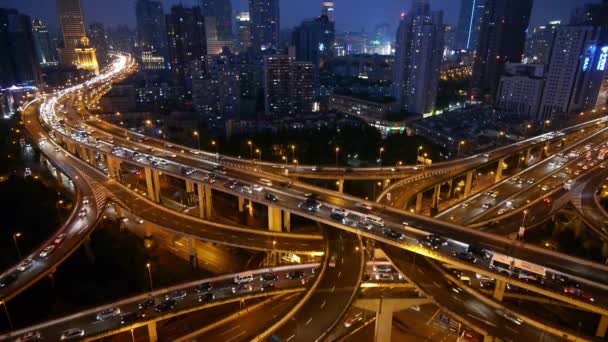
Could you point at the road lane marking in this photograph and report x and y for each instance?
(309, 320)
(323, 304)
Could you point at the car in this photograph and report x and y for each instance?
(576, 291)
(544, 188)
(364, 206)
(352, 320)
(285, 185)
(242, 288)
(295, 275)
(26, 264)
(310, 205)
(258, 188)
(8, 279)
(206, 297)
(502, 211)
(246, 189)
(385, 277)
(389, 233)
(176, 295)
(270, 197)
(47, 251)
(107, 314)
(332, 261)
(131, 317)
(479, 252)
(465, 205)
(509, 316)
(437, 240)
(465, 256)
(486, 206)
(29, 337)
(72, 334)
(383, 269)
(57, 149)
(268, 287)
(165, 306)
(340, 211)
(269, 276)
(547, 200)
(139, 220)
(338, 217)
(147, 304)
(86, 201)
(204, 287)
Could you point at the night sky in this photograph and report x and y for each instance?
(350, 14)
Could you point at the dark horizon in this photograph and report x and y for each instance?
(358, 15)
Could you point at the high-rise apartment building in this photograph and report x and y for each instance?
(243, 31)
(72, 28)
(265, 24)
(151, 29)
(540, 43)
(302, 87)
(186, 39)
(469, 24)
(288, 85)
(221, 10)
(521, 89)
(419, 48)
(309, 40)
(575, 53)
(45, 49)
(99, 40)
(217, 92)
(18, 58)
(501, 40)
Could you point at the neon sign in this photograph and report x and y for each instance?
(586, 63)
(601, 65)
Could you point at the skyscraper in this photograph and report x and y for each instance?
(243, 30)
(575, 55)
(73, 29)
(420, 41)
(265, 24)
(186, 39)
(99, 40)
(45, 50)
(328, 10)
(18, 60)
(308, 40)
(221, 10)
(501, 39)
(329, 29)
(540, 43)
(469, 24)
(302, 87)
(151, 34)
(277, 79)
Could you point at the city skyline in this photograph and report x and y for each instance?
(358, 15)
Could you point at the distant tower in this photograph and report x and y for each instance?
(151, 34)
(243, 30)
(44, 46)
(419, 48)
(86, 56)
(327, 9)
(265, 24)
(73, 29)
(221, 10)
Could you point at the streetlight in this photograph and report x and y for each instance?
(460, 144)
(420, 148)
(15, 236)
(259, 153)
(198, 138)
(522, 229)
(295, 161)
(250, 143)
(284, 159)
(380, 152)
(293, 152)
(8, 317)
(337, 153)
(215, 146)
(148, 266)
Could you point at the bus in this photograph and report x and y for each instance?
(518, 269)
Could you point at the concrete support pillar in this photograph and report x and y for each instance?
(499, 169)
(189, 186)
(528, 154)
(113, 167)
(545, 152)
(340, 185)
(450, 189)
(152, 334)
(436, 196)
(384, 324)
(193, 253)
(286, 221)
(241, 204)
(419, 197)
(499, 290)
(92, 159)
(602, 326)
(468, 184)
(205, 202)
(274, 219)
(153, 184)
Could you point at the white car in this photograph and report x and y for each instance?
(108, 313)
(86, 201)
(47, 251)
(59, 238)
(26, 264)
(72, 334)
(257, 188)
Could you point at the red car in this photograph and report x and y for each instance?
(576, 292)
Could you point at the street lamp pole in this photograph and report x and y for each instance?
(293, 152)
(380, 155)
(462, 142)
(148, 266)
(337, 153)
(250, 143)
(8, 316)
(15, 236)
(198, 139)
